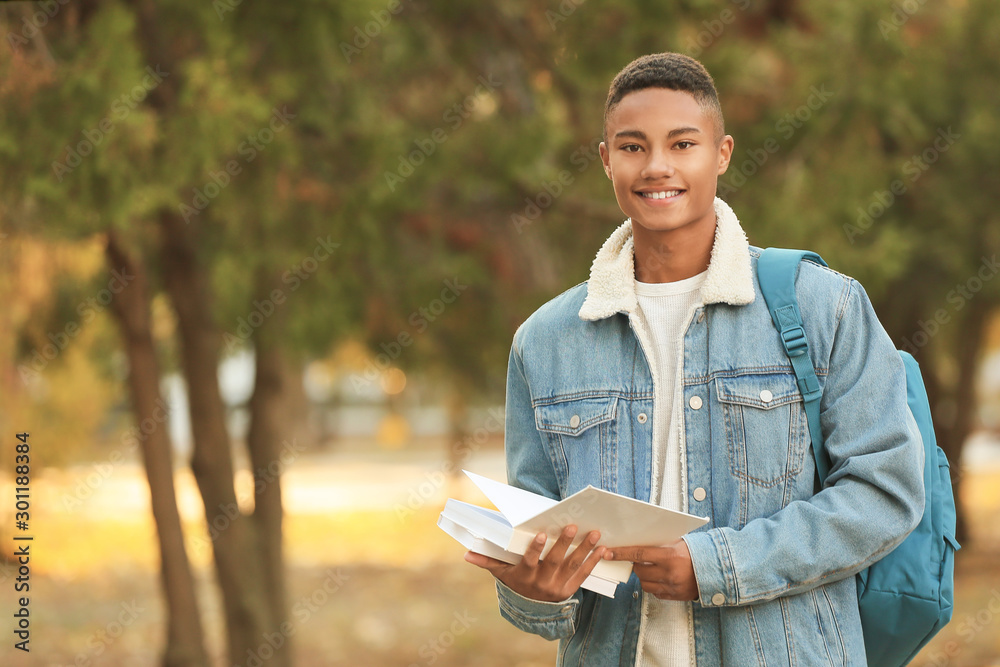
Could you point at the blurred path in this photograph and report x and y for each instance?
(314, 483)
(356, 477)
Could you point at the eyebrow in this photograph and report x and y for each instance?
(639, 134)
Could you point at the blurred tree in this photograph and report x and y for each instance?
(49, 326)
(185, 641)
(185, 133)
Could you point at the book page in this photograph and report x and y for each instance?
(622, 521)
(516, 504)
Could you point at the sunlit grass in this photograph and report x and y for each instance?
(373, 537)
(406, 577)
(75, 543)
(70, 545)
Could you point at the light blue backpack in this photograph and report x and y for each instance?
(907, 596)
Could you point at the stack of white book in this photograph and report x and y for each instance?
(505, 535)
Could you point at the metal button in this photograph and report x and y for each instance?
(718, 599)
(642, 417)
(699, 494)
(695, 402)
(635, 595)
(766, 395)
(574, 421)
(701, 316)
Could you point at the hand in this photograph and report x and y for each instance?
(553, 578)
(666, 572)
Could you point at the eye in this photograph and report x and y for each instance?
(684, 144)
(630, 148)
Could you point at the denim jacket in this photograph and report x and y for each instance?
(774, 564)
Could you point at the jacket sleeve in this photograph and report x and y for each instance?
(529, 467)
(873, 496)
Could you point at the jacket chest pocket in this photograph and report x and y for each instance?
(581, 438)
(766, 429)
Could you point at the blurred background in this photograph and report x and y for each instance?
(262, 263)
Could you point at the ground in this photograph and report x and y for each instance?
(373, 581)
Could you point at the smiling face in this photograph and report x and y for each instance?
(664, 156)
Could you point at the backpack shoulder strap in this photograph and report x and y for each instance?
(777, 269)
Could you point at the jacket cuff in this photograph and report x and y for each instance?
(713, 568)
(550, 620)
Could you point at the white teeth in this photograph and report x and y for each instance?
(660, 195)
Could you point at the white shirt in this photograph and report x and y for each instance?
(666, 309)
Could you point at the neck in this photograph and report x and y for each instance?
(669, 256)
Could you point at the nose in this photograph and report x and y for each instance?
(659, 165)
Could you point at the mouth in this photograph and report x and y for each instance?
(661, 195)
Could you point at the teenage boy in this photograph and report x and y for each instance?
(663, 378)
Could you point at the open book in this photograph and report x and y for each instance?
(505, 535)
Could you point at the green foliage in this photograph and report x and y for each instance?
(421, 136)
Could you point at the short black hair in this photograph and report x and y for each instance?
(667, 70)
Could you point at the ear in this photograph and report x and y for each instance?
(606, 159)
(725, 153)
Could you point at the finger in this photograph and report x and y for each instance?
(651, 572)
(583, 550)
(534, 550)
(558, 551)
(634, 554)
(654, 588)
(485, 562)
(638, 555)
(585, 568)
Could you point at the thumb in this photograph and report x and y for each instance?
(492, 564)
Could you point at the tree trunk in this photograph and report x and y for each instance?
(296, 409)
(185, 640)
(234, 536)
(952, 428)
(238, 563)
(953, 404)
(268, 461)
(458, 413)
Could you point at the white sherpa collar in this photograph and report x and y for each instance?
(611, 288)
